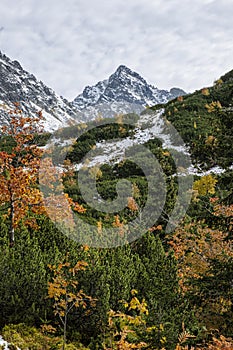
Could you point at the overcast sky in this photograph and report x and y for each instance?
(73, 43)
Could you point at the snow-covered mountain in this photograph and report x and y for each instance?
(124, 91)
(17, 85)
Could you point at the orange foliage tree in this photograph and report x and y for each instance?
(58, 205)
(19, 163)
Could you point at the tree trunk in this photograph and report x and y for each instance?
(64, 333)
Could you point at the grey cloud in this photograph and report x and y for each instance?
(75, 43)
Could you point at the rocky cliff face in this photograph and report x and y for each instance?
(124, 91)
(17, 85)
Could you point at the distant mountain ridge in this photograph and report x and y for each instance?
(124, 91)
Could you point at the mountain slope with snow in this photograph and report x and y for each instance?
(124, 91)
(17, 85)
(149, 126)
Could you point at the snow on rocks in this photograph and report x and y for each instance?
(149, 126)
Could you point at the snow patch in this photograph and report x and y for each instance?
(149, 126)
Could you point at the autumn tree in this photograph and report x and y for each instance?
(59, 206)
(20, 160)
(65, 291)
(19, 163)
(129, 329)
(205, 261)
(125, 328)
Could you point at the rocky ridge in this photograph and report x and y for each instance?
(124, 91)
(17, 85)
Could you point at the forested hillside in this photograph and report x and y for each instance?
(204, 120)
(165, 290)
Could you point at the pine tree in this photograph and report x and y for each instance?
(23, 279)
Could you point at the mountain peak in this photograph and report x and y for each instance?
(124, 91)
(124, 72)
(123, 69)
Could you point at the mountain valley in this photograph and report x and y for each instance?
(116, 223)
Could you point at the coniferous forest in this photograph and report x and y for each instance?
(164, 290)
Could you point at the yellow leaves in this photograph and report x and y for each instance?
(50, 178)
(205, 91)
(155, 228)
(223, 210)
(221, 343)
(80, 265)
(68, 168)
(218, 82)
(194, 246)
(222, 305)
(59, 210)
(206, 185)
(213, 106)
(128, 326)
(95, 172)
(154, 328)
(136, 191)
(211, 141)
(64, 288)
(184, 336)
(119, 224)
(166, 154)
(99, 117)
(122, 130)
(135, 304)
(59, 206)
(78, 208)
(47, 328)
(83, 126)
(99, 226)
(55, 289)
(134, 292)
(131, 204)
(85, 248)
